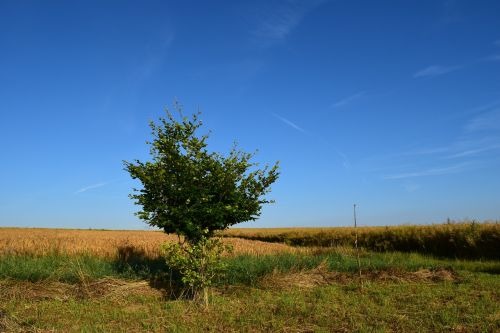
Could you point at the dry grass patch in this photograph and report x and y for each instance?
(321, 276)
(9, 323)
(106, 288)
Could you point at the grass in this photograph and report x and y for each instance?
(242, 270)
(469, 304)
(399, 307)
(57, 268)
(314, 289)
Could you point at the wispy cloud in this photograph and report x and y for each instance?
(484, 107)
(349, 99)
(237, 72)
(411, 187)
(494, 57)
(474, 111)
(278, 22)
(485, 121)
(90, 187)
(155, 56)
(430, 172)
(426, 151)
(467, 147)
(477, 145)
(435, 70)
(280, 25)
(346, 163)
(473, 152)
(497, 43)
(451, 12)
(289, 123)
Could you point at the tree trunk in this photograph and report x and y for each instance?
(205, 296)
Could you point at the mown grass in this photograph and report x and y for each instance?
(451, 240)
(80, 292)
(86, 293)
(469, 306)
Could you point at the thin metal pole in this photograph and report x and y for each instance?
(356, 242)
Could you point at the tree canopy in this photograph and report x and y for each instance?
(192, 192)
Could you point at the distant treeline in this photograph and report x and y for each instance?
(453, 240)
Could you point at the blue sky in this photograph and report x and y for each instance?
(393, 105)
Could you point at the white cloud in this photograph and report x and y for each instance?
(346, 163)
(486, 121)
(435, 70)
(90, 187)
(497, 42)
(411, 187)
(278, 22)
(484, 107)
(494, 57)
(155, 56)
(429, 172)
(472, 152)
(280, 25)
(476, 110)
(426, 151)
(349, 99)
(289, 123)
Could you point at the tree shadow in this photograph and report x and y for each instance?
(134, 262)
(490, 270)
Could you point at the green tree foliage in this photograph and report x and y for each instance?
(192, 192)
(198, 264)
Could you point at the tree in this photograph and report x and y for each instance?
(192, 192)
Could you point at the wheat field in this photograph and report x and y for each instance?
(455, 240)
(464, 239)
(106, 243)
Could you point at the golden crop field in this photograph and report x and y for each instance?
(306, 231)
(455, 240)
(464, 239)
(106, 243)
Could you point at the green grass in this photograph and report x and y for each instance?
(249, 270)
(242, 303)
(59, 268)
(242, 270)
(379, 307)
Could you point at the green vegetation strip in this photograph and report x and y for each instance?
(242, 270)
